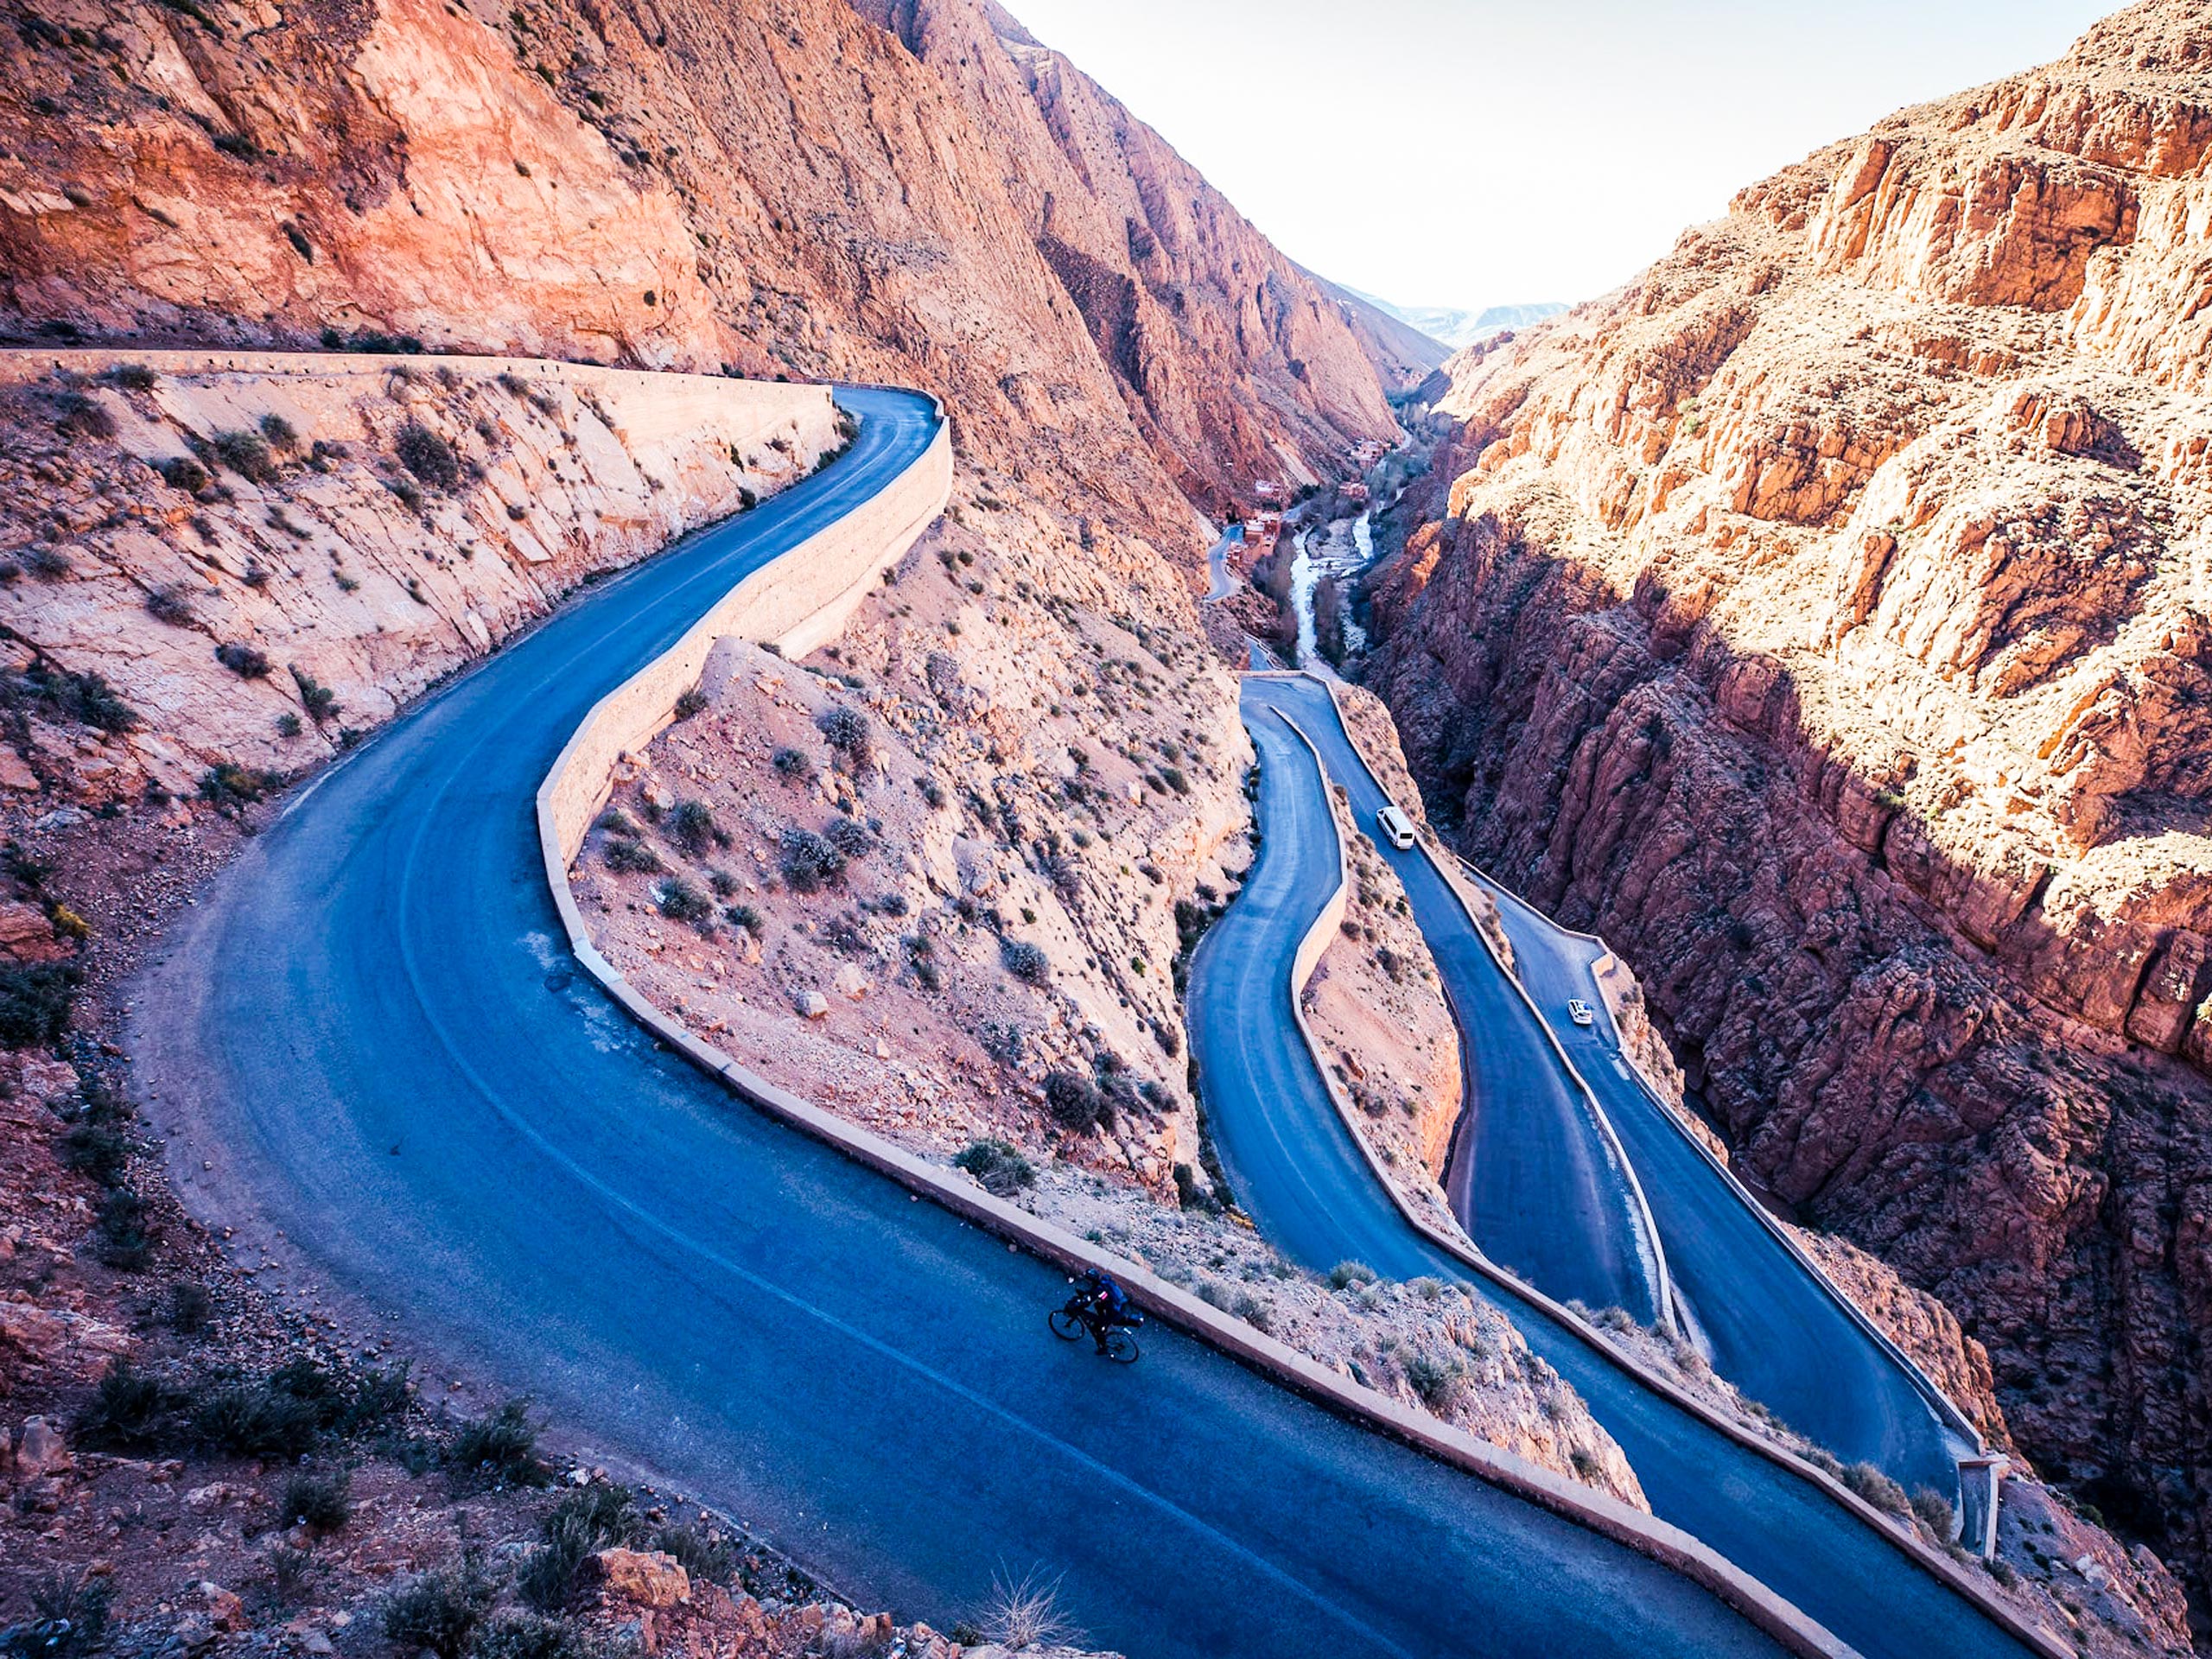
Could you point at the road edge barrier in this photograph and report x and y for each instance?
(1939, 1566)
(1926, 1385)
(669, 674)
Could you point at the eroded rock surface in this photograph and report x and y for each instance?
(1823, 618)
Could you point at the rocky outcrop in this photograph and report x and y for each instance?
(1822, 618)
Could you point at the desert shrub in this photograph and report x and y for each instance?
(518, 1633)
(845, 730)
(794, 763)
(996, 1165)
(850, 837)
(1932, 1510)
(85, 698)
(319, 700)
(82, 417)
(693, 701)
(680, 901)
(584, 1523)
(288, 724)
(70, 1612)
(323, 1501)
(96, 1148)
(723, 883)
(183, 473)
(932, 790)
(630, 857)
(244, 661)
(692, 827)
(132, 377)
(808, 860)
(35, 1001)
(171, 603)
(409, 493)
(247, 454)
(1075, 1103)
(1877, 1487)
(1025, 961)
(502, 1445)
(1347, 1273)
(1025, 1613)
(427, 455)
(440, 1612)
(1435, 1379)
(747, 917)
(280, 432)
(126, 1240)
(229, 787)
(125, 1409)
(615, 821)
(258, 1419)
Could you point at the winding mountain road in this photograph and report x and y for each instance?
(371, 1035)
(1295, 1168)
(1774, 1329)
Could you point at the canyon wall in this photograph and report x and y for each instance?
(1823, 617)
(774, 189)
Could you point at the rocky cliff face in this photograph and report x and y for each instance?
(779, 188)
(1823, 617)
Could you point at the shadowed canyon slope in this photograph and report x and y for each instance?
(777, 188)
(1823, 618)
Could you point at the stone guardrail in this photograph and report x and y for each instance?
(794, 603)
(1940, 1565)
(578, 783)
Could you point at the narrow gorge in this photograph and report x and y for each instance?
(1822, 617)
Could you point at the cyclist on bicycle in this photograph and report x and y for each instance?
(1101, 1304)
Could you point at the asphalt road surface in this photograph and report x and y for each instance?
(1774, 1329)
(373, 1033)
(1297, 1171)
(1530, 1176)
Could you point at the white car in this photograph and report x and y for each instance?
(1578, 1011)
(1397, 828)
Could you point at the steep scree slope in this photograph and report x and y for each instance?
(1824, 618)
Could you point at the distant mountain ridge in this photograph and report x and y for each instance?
(1457, 327)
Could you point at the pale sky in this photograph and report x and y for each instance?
(1479, 152)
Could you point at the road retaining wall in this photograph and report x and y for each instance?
(794, 603)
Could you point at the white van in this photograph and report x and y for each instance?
(1397, 828)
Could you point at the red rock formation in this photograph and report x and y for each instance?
(1823, 618)
(684, 185)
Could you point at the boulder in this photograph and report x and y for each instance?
(649, 1578)
(41, 1450)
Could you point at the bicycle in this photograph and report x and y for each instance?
(1069, 1325)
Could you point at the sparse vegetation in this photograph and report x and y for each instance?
(630, 857)
(809, 862)
(1025, 961)
(501, 1446)
(440, 1612)
(171, 603)
(1076, 1102)
(845, 731)
(680, 901)
(243, 660)
(321, 1501)
(247, 454)
(997, 1167)
(427, 455)
(793, 764)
